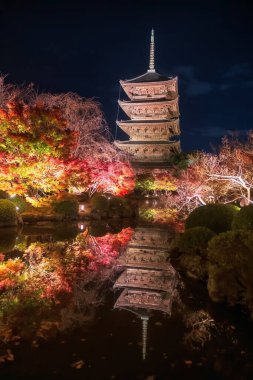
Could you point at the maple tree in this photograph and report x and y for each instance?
(53, 143)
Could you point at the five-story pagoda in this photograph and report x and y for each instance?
(154, 116)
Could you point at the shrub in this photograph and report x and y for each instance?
(100, 202)
(68, 207)
(216, 217)
(97, 230)
(117, 203)
(243, 220)
(194, 241)
(115, 226)
(230, 268)
(8, 214)
(194, 266)
(20, 203)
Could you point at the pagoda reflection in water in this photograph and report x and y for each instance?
(148, 280)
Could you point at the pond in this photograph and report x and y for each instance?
(78, 305)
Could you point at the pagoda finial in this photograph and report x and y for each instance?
(152, 52)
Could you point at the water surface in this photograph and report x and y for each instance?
(79, 306)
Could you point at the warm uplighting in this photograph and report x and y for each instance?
(81, 207)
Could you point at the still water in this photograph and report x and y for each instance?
(106, 302)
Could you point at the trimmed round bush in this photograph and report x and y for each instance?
(68, 207)
(20, 203)
(243, 220)
(194, 266)
(8, 213)
(216, 217)
(100, 202)
(117, 202)
(230, 268)
(194, 241)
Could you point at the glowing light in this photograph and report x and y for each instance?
(17, 208)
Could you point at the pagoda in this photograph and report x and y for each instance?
(154, 116)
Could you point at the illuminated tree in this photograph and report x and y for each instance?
(53, 143)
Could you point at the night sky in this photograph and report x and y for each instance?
(86, 48)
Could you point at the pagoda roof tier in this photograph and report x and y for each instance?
(149, 151)
(152, 110)
(145, 299)
(160, 130)
(145, 279)
(145, 258)
(150, 237)
(151, 85)
(150, 76)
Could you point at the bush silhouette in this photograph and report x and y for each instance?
(216, 217)
(243, 220)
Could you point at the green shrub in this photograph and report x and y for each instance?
(145, 182)
(100, 202)
(243, 220)
(230, 268)
(20, 203)
(194, 241)
(216, 217)
(193, 265)
(68, 207)
(8, 213)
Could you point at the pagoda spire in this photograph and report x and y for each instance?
(152, 52)
(144, 319)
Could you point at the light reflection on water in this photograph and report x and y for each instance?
(85, 301)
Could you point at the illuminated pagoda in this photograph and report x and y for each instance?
(154, 116)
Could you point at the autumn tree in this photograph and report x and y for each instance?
(52, 143)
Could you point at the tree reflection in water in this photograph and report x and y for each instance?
(47, 287)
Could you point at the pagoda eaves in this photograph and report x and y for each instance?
(152, 110)
(140, 90)
(159, 130)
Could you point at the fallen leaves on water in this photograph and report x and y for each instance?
(7, 357)
(78, 365)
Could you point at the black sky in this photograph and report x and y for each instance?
(86, 48)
